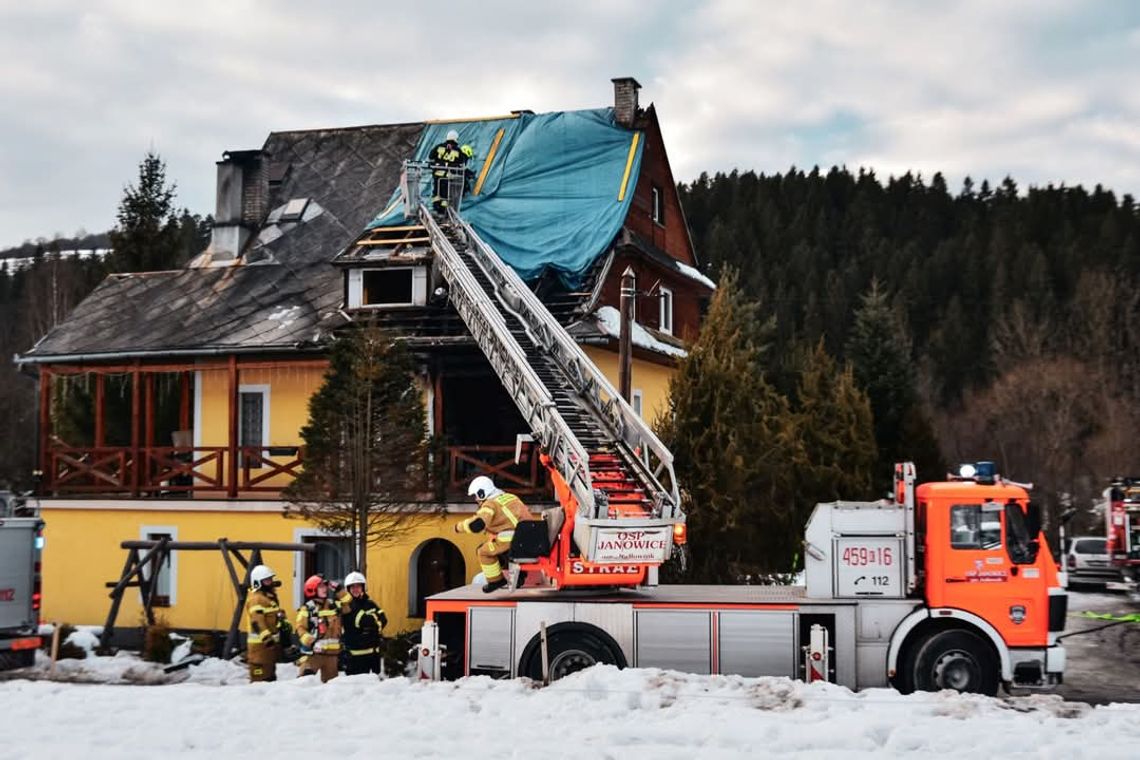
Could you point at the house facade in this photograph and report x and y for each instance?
(171, 403)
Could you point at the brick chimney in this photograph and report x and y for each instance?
(240, 207)
(625, 100)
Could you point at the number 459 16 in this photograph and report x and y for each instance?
(860, 556)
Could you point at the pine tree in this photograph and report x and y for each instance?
(879, 352)
(733, 443)
(833, 419)
(365, 445)
(147, 237)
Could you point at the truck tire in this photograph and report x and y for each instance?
(955, 659)
(570, 647)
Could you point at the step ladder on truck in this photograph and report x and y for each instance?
(942, 585)
(619, 516)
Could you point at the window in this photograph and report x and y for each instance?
(253, 422)
(1090, 546)
(165, 582)
(975, 526)
(666, 323)
(658, 203)
(636, 401)
(390, 286)
(387, 286)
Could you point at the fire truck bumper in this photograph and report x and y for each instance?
(1055, 664)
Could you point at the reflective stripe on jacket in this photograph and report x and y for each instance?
(264, 618)
(500, 514)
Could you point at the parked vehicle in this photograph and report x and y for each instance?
(21, 544)
(1122, 529)
(1087, 560)
(944, 586)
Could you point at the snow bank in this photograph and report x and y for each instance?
(600, 713)
(609, 321)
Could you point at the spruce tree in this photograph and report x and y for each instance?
(879, 352)
(365, 445)
(733, 444)
(833, 419)
(147, 237)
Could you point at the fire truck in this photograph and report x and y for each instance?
(946, 585)
(1122, 529)
(21, 545)
(943, 585)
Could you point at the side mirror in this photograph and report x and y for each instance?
(1033, 519)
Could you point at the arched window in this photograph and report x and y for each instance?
(437, 565)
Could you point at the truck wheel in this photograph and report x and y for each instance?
(570, 647)
(957, 660)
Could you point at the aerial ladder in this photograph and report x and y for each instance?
(620, 514)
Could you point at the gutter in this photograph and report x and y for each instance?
(114, 355)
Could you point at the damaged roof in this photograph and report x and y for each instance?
(282, 295)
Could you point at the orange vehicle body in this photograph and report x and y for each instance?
(981, 577)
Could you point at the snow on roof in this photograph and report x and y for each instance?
(609, 321)
(693, 274)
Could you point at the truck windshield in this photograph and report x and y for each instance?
(1022, 547)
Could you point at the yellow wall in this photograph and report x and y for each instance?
(650, 378)
(289, 391)
(81, 553)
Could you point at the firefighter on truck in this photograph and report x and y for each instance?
(498, 514)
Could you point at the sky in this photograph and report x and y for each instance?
(1041, 90)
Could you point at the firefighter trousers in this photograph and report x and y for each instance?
(325, 663)
(262, 671)
(355, 664)
(489, 552)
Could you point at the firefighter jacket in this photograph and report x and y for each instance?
(265, 618)
(497, 515)
(447, 155)
(362, 623)
(319, 625)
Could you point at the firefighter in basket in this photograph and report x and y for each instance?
(498, 514)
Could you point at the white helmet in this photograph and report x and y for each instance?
(482, 488)
(258, 574)
(354, 578)
(453, 135)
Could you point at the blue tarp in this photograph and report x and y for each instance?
(550, 197)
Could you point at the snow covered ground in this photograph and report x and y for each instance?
(599, 713)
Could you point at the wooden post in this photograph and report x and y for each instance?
(184, 406)
(625, 334)
(135, 410)
(45, 429)
(232, 465)
(148, 428)
(54, 646)
(100, 410)
(117, 599)
(241, 590)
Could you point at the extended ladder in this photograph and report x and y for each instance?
(611, 465)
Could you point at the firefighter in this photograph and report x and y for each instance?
(319, 629)
(362, 621)
(449, 173)
(498, 514)
(268, 628)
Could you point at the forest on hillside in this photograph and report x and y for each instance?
(1019, 310)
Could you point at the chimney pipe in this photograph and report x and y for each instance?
(625, 100)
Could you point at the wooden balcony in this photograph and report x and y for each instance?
(261, 472)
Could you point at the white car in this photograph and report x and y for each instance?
(1087, 560)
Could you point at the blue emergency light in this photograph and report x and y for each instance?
(980, 472)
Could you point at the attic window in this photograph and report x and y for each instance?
(666, 323)
(658, 205)
(294, 209)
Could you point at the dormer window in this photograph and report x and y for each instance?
(387, 286)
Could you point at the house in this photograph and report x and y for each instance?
(171, 402)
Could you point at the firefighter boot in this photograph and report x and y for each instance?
(495, 585)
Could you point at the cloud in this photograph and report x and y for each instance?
(1043, 90)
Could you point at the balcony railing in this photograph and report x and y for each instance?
(204, 471)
